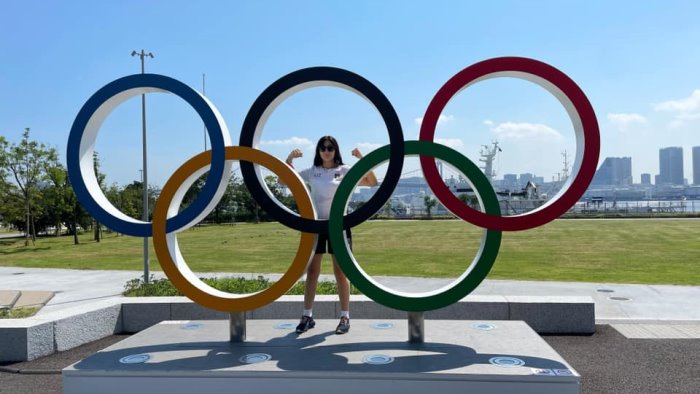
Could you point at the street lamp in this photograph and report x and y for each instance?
(142, 55)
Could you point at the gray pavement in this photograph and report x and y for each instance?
(4, 235)
(609, 361)
(615, 303)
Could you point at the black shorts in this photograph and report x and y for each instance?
(324, 244)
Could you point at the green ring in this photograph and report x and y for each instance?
(490, 242)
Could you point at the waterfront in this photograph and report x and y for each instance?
(645, 206)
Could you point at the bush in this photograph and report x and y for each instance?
(17, 313)
(163, 287)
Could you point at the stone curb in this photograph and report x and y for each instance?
(34, 337)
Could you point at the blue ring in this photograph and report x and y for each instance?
(205, 111)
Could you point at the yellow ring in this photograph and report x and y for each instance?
(202, 293)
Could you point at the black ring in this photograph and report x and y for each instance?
(354, 82)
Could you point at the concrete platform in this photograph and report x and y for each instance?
(457, 356)
(43, 334)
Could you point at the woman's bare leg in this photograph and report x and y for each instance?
(343, 286)
(312, 273)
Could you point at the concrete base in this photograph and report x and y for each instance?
(197, 356)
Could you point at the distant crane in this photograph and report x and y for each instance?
(487, 156)
(565, 170)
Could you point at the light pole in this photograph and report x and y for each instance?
(142, 55)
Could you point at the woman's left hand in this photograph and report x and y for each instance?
(356, 153)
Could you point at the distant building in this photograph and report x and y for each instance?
(646, 179)
(525, 178)
(671, 166)
(614, 171)
(411, 185)
(510, 181)
(696, 165)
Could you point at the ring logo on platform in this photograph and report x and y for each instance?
(167, 221)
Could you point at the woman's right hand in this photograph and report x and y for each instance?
(293, 155)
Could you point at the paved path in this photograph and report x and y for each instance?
(4, 235)
(615, 303)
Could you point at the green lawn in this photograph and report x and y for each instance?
(623, 251)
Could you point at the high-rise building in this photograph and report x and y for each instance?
(671, 166)
(646, 179)
(696, 165)
(614, 171)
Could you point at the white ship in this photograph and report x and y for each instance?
(513, 200)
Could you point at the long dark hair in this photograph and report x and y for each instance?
(337, 159)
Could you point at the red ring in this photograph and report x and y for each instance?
(591, 144)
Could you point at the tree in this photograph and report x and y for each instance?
(429, 203)
(100, 179)
(27, 162)
(3, 166)
(60, 203)
(54, 198)
(278, 192)
(11, 206)
(248, 208)
(193, 191)
(114, 196)
(130, 202)
(224, 210)
(471, 201)
(4, 185)
(129, 199)
(78, 215)
(388, 207)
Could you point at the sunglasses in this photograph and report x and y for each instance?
(327, 148)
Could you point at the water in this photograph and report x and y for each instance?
(647, 206)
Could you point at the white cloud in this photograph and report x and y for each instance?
(442, 119)
(520, 131)
(488, 122)
(683, 110)
(453, 143)
(676, 124)
(688, 105)
(366, 147)
(624, 121)
(294, 141)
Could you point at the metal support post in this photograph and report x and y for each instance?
(237, 325)
(416, 327)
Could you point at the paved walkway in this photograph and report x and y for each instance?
(609, 362)
(615, 303)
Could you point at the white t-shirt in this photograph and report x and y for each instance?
(323, 183)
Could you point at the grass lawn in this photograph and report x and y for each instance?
(659, 251)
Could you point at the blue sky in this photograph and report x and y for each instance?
(639, 65)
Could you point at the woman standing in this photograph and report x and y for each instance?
(323, 178)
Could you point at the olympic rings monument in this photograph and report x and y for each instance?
(217, 356)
